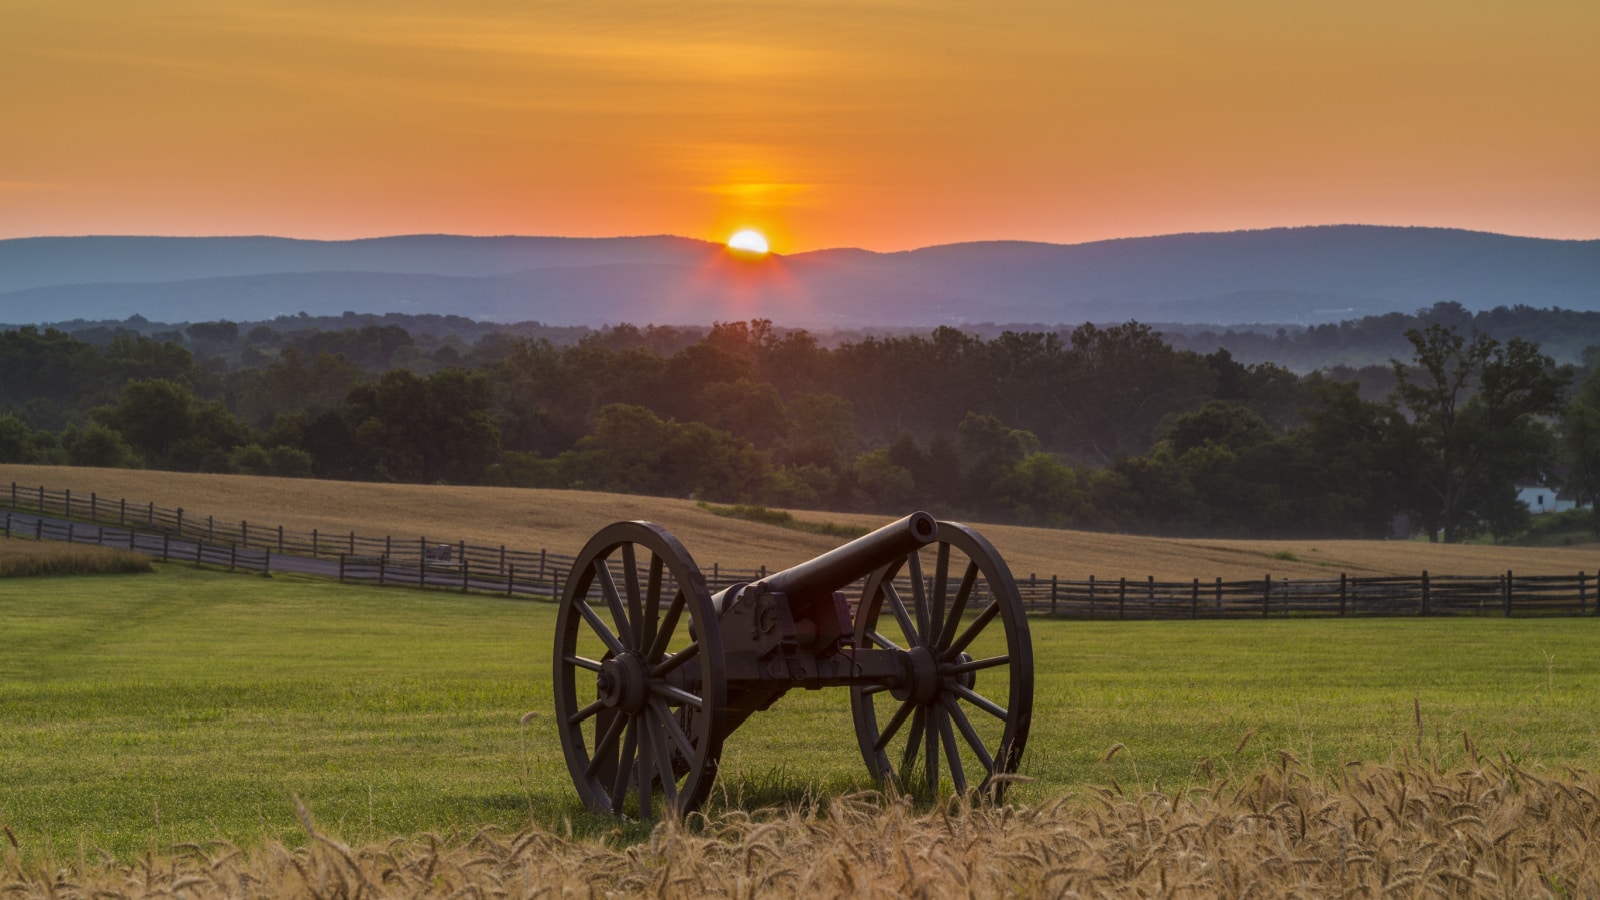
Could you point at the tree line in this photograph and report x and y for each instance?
(1105, 427)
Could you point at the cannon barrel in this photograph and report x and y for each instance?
(833, 570)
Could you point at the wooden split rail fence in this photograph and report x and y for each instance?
(458, 565)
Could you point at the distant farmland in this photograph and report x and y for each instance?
(563, 520)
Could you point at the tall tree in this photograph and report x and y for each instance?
(1476, 423)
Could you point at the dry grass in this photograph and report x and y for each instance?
(1493, 830)
(563, 520)
(20, 558)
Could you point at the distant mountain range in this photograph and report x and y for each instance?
(1283, 275)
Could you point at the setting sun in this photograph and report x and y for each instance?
(748, 241)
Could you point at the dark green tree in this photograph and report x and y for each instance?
(1477, 410)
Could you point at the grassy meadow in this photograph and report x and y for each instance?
(188, 706)
(563, 520)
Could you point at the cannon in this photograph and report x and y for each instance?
(652, 672)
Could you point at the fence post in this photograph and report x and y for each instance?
(266, 562)
(100, 535)
(314, 542)
(1151, 596)
(716, 573)
(233, 557)
(341, 568)
(38, 529)
(131, 535)
(461, 549)
(388, 545)
(763, 570)
(166, 547)
(1583, 595)
(41, 498)
(352, 543)
(382, 564)
(1266, 598)
(244, 532)
(502, 559)
(1091, 596)
(422, 551)
(122, 511)
(94, 506)
(1194, 600)
(180, 521)
(1122, 595)
(511, 578)
(199, 553)
(1219, 595)
(70, 536)
(464, 575)
(1508, 593)
(150, 515)
(8, 526)
(66, 504)
(1054, 589)
(1425, 592)
(280, 538)
(211, 528)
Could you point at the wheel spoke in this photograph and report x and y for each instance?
(968, 732)
(608, 744)
(646, 762)
(675, 730)
(679, 694)
(883, 642)
(894, 725)
(913, 744)
(931, 755)
(586, 712)
(958, 606)
(900, 613)
(582, 662)
(663, 760)
(630, 583)
(978, 700)
(608, 587)
(660, 669)
(977, 626)
(619, 784)
(919, 597)
(652, 599)
(975, 665)
(664, 636)
(599, 626)
(941, 584)
(952, 756)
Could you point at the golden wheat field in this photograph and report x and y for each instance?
(1490, 830)
(562, 521)
(19, 558)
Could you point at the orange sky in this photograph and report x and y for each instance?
(884, 125)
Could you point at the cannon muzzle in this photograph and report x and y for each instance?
(834, 570)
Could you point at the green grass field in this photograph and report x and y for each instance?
(140, 711)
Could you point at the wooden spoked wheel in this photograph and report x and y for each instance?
(961, 718)
(639, 691)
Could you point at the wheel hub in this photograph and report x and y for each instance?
(922, 681)
(621, 683)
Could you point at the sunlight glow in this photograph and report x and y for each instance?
(748, 241)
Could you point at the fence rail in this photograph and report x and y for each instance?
(458, 565)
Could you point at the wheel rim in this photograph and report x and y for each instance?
(639, 690)
(962, 717)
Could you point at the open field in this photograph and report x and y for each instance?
(563, 520)
(193, 705)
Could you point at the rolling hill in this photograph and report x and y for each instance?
(1287, 275)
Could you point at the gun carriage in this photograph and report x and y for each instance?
(653, 672)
